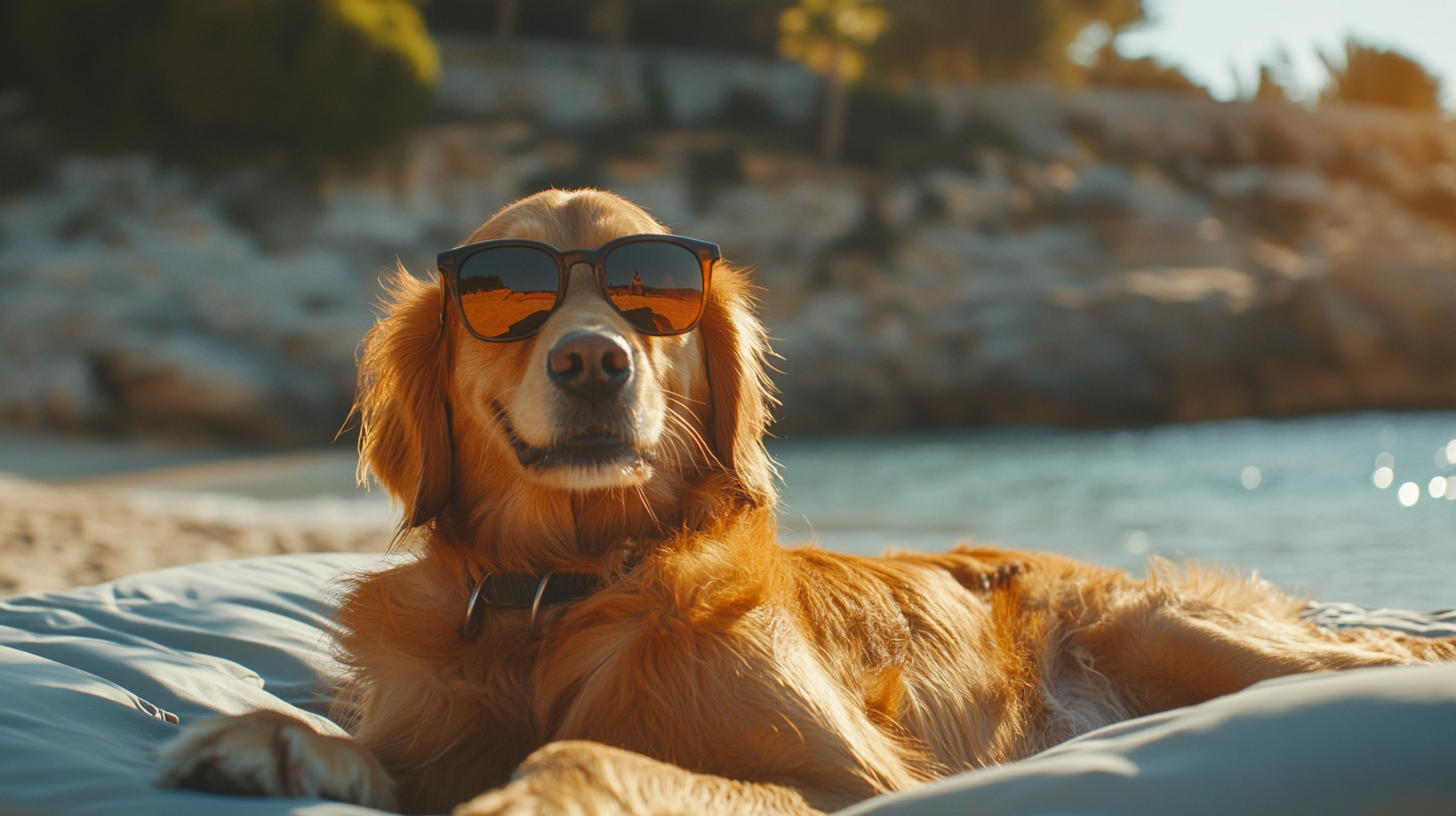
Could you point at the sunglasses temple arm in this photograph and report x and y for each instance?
(444, 297)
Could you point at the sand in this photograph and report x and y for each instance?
(53, 537)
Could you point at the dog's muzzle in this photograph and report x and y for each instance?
(590, 446)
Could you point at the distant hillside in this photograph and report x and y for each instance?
(991, 254)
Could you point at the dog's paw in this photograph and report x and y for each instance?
(270, 754)
(566, 779)
(529, 797)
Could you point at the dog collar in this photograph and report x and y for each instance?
(519, 590)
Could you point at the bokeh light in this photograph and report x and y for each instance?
(1409, 494)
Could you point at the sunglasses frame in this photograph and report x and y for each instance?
(451, 261)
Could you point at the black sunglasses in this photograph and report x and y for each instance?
(504, 290)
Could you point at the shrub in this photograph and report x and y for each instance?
(1274, 146)
(749, 109)
(572, 176)
(976, 40)
(1111, 69)
(710, 171)
(881, 123)
(1436, 201)
(1375, 77)
(9, 64)
(333, 75)
(24, 165)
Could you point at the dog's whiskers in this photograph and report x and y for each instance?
(693, 435)
(679, 438)
(677, 441)
(646, 505)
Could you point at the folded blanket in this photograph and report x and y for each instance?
(93, 679)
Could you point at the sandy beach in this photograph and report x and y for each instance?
(55, 535)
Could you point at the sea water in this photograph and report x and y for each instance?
(1296, 500)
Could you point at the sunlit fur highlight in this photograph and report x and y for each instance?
(717, 672)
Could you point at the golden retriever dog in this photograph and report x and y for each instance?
(599, 619)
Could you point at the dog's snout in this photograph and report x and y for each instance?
(590, 364)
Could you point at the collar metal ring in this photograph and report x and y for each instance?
(536, 603)
(471, 625)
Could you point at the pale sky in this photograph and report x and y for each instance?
(1209, 39)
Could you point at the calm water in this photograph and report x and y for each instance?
(1315, 522)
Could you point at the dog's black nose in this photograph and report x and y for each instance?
(590, 364)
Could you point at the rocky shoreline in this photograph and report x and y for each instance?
(1111, 258)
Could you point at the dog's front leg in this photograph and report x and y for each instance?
(265, 753)
(591, 779)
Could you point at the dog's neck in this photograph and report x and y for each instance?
(503, 521)
(521, 527)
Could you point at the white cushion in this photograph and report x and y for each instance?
(1360, 742)
(93, 679)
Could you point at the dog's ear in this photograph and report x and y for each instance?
(736, 345)
(404, 399)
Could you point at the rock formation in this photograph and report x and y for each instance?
(1121, 258)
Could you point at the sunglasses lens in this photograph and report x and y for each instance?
(657, 286)
(508, 292)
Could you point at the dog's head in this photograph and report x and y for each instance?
(584, 415)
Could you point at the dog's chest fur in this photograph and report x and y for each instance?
(747, 644)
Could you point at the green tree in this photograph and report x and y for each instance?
(333, 75)
(1374, 76)
(830, 37)
(977, 40)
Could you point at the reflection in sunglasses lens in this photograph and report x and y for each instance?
(657, 286)
(507, 292)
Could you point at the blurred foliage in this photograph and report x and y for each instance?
(711, 171)
(943, 40)
(975, 40)
(1278, 84)
(1373, 76)
(830, 36)
(752, 121)
(572, 176)
(582, 155)
(1436, 201)
(610, 20)
(884, 129)
(749, 109)
(9, 59)
(22, 166)
(336, 76)
(749, 26)
(1270, 90)
(1113, 70)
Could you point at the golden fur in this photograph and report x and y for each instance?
(715, 672)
